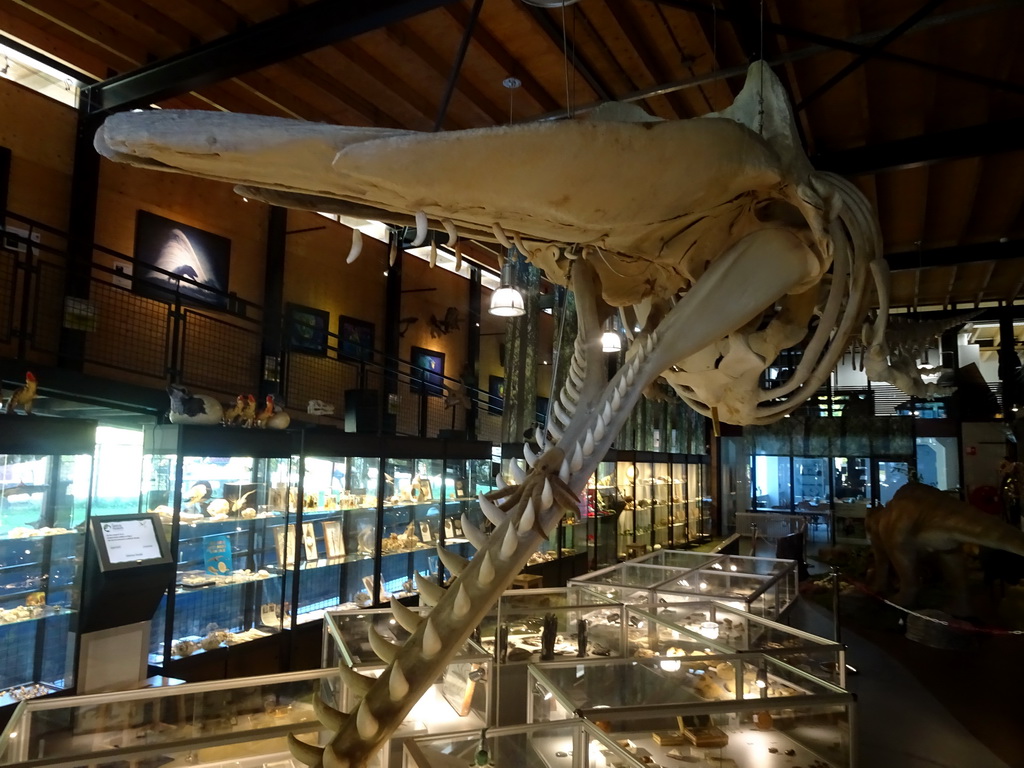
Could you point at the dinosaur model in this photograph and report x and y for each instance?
(714, 236)
(919, 520)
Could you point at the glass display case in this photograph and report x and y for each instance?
(334, 531)
(599, 514)
(239, 722)
(724, 627)
(569, 744)
(749, 710)
(45, 486)
(227, 498)
(460, 700)
(760, 585)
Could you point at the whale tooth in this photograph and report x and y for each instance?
(540, 438)
(398, 686)
(564, 472)
(357, 246)
(421, 229)
(457, 247)
(385, 651)
(576, 366)
(462, 603)
(303, 752)
(576, 463)
(527, 519)
(476, 537)
(486, 573)
(491, 511)
(529, 455)
(606, 413)
(430, 593)
(332, 759)
(359, 684)
(622, 386)
(560, 413)
(555, 430)
(328, 715)
(519, 245)
(547, 496)
(431, 640)
(501, 237)
(570, 406)
(433, 254)
(405, 615)
(630, 376)
(616, 401)
(599, 428)
(518, 473)
(499, 480)
(366, 723)
(453, 562)
(651, 341)
(588, 443)
(393, 252)
(571, 388)
(510, 543)
(449, 228)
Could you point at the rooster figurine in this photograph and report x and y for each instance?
(22, 397)
(272, 416)
(248, 415)
(233, 412)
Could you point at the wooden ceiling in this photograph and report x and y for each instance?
(920, 103)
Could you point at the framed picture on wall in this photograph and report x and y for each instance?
(496, 395)
(542, 409)
(355, 338)
(175, 258)
(427, 372)
(307, 329)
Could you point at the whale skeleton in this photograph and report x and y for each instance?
(714, 236)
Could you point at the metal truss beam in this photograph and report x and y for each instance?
(277, 39)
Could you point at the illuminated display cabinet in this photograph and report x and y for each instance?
(45, 485)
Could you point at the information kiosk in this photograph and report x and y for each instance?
(128, 568)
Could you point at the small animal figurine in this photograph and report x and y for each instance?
(22, 397)
(272, 416)
(187, 408)
(233, 413)
(248, 415)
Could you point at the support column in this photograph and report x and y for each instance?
(521, 356)
(273, 301)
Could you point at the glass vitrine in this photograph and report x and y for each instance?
(853, 498)
(225, 497)
(465, 480)
(739, 710)
(330, 542)
(600, 511)
(45, 486)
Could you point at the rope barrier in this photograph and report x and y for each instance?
(953, 623)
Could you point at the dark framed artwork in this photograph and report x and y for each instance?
(307, 329)
(496, 394)
(542, 409)
(173, 257)
(355, 338)
(426, 374)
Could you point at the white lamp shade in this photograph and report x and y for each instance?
(611, 341)
(507, 302)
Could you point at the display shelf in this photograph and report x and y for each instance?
(45, 484)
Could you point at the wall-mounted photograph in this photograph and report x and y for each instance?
(306, 329)
(496, 395)
(427, 371)
(355, 339)
(173, 257)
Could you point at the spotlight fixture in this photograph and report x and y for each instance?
(507, 300)
(611, 341)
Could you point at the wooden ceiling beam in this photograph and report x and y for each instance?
(958, 254)
(490, 45)
(579, 61)
(269, 42)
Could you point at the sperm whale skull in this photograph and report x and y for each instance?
(714, 236)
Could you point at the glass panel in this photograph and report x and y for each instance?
(772, 481)
(413, 509)
(938, 462)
